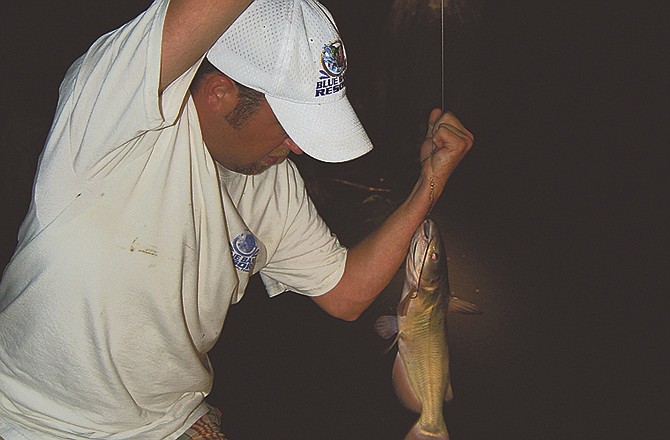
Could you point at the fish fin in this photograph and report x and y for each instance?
(416, 433)
(449, 393)
(395, 340)
(462, 306)
(386, 326)
(402, 387)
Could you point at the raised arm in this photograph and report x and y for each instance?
(191, 28)
(374, 261)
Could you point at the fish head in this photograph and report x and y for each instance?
(426, 264)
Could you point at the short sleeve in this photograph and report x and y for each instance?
(309, 258)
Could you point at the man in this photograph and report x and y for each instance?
(158, 195)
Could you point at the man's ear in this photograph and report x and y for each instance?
(219, 92)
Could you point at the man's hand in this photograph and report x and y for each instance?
(372, 263)
(447, 142)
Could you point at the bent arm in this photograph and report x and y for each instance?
(373, 262)
(191, 27)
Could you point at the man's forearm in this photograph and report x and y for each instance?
(191, 27)
(373, 262)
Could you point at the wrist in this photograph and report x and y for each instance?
(422, 197)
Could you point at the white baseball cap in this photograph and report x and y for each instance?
(291, 51)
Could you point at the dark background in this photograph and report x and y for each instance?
(555, 222)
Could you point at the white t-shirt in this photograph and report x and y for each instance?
(134, 247)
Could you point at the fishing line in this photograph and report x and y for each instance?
(443, 51)
(442, 75)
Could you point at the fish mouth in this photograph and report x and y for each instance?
(427, 229)
(418, 248)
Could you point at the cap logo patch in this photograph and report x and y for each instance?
(244, 250)
(334, 62)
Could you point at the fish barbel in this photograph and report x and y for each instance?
(421, 376)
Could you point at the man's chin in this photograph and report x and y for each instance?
(273, 160)
(260, 166)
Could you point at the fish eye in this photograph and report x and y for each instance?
(435, 256)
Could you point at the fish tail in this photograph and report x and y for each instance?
(416, 433)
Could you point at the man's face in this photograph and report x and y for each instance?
(255, 146)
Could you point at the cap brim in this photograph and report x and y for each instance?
(329, 132)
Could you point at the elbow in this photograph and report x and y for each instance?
(338, 309)
(349, 316)
(350, 311)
